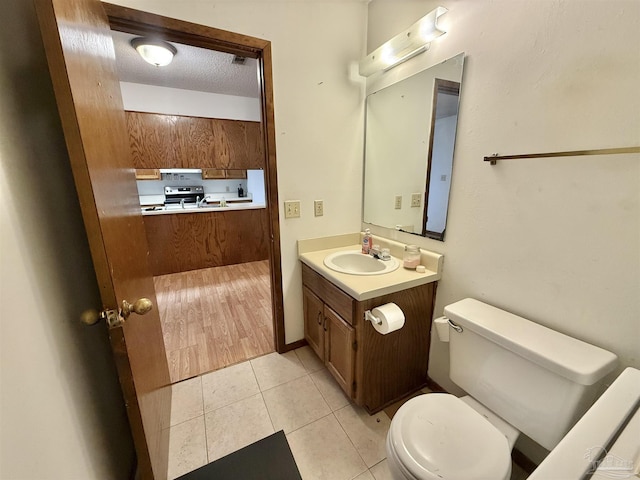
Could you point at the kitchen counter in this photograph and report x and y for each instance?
(211, 207)
(363, 287)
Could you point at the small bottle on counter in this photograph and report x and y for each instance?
(240, 191)
(366, 241)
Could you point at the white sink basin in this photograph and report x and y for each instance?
(357, 263)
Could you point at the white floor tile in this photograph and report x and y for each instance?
(367, 432)
(309, 359)
(295, 404)
(381, 471)
(187, 447)
(275, 369)
(237, 425)
(323, 452)
(365, 476)
(330, 390)
(186, 400)
(229, 385)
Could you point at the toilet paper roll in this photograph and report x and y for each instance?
(392, 318)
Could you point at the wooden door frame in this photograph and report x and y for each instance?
(138, 22)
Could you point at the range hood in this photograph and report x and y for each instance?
(180, 170)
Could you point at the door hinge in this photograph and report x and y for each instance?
(355, 345)
(354, 387)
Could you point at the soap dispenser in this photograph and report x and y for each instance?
(366, 241)
(240, 191)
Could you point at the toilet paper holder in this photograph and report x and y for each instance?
(371, 317)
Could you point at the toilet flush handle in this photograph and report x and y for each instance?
(457, 328)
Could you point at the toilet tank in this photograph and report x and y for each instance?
(539, 380)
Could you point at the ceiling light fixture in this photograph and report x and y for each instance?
(413, 41)
(154, 51)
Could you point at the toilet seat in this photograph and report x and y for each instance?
(437, 435)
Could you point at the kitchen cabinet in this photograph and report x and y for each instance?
(147, 174)
(220, 174)
(374, 370)
(175, 141)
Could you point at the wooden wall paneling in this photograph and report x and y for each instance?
(152, 140)
(189, 241)
(390, 366)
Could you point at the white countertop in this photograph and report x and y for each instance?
(175, 209)
(312, 252)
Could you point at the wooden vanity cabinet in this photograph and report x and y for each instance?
(374, 370)
(331, 337)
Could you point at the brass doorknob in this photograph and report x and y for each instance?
(140, 306)
(90, 317)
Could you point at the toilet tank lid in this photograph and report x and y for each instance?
(571, 358)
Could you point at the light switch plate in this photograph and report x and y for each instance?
(416, 199)
(398, 202)
(292, 209)
(318, 208)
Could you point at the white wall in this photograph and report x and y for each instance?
(318, 112)
(62, 412)
(553, 240)
(176, 101)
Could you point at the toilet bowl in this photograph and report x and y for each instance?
(437, 435)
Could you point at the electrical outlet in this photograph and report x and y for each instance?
(398, 202)
(318, 208)
(443, 178)
(416, 199)
(292, 209)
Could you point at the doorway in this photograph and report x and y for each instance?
(244, 299)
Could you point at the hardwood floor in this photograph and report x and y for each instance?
(215, 317)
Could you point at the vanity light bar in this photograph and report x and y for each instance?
(413, 41)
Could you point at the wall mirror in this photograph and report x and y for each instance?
(409, 143)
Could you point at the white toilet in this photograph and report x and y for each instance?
(520, 377)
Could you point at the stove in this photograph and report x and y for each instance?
(188, 194)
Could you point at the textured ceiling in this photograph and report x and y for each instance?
(193, 68)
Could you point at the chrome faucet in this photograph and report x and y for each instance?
(199, 203)
(182, 202)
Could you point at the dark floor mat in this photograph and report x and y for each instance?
(266, 459)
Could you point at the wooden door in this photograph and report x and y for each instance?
(313, 321)
(339, 350)
(81, 61)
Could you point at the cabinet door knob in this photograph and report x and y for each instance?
(319, 318)
(325, 324)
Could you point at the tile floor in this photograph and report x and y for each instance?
(223, 411)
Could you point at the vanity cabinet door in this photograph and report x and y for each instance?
(313, 322)
(339, 354)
